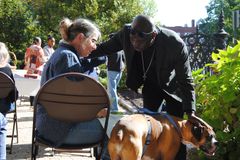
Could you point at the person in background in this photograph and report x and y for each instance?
(13, 60)
(115, 67)
(157, 61)
(79, 38)
(34, 56)
(6, 104)
(48, 49)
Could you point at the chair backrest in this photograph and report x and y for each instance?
(72, 97)
(6, 85)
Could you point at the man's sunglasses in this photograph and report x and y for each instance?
(139, 34)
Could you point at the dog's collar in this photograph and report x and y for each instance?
(148, 138)
(173, 123)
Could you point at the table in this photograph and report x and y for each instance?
(26, 86)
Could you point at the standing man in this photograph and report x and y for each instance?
(157, 59)
(115, 67)
(48, 49)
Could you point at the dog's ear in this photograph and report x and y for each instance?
(196, 120)
(197, 131)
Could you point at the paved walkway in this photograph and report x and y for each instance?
(22, 150)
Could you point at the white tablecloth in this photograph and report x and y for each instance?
(26, 86)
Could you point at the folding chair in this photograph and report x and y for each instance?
(6, 86)
(71, 97)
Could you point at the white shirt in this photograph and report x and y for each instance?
(48, 51)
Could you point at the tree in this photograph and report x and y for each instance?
(209, 25)
(21, 20)
(108, 15)
(17, 25)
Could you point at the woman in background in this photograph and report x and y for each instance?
(6, 104)
(34, 56)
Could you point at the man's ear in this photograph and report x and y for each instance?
(154, 34)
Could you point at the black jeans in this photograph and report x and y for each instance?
(153, 98)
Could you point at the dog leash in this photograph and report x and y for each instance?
(148, 112)
(145, 112)
(148, 138)
(173, 123)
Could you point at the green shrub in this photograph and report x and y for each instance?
(218, 100)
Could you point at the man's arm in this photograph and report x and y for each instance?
(185, 81)
(110, 46)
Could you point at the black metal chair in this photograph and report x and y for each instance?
(7, 85)
(71, 97)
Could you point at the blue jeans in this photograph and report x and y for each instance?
(3, 133)
(85, 133)
(12, 107)
(114, 78)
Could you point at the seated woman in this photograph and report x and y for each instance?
(34, 56)
(79, 40)
(6, 104)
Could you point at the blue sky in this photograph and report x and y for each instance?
(180, 12)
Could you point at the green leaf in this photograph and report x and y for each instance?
(233, 110)
(215, 57)
(223, 53)
(228, 117)
(235, 48)
(238, 115)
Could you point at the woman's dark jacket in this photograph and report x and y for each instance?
(5, 103)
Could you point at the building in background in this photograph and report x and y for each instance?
(184, 30)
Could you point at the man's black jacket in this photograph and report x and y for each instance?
(172, 63)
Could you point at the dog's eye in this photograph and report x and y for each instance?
(197, 132)
(209, 138)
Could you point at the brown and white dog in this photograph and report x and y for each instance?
(129, 135)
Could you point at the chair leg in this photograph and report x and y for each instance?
(16, 120)
(95, 152)
(34, 151)
(13, 132)
(12, 137)
(99, 152)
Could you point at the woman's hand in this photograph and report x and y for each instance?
(102, 113)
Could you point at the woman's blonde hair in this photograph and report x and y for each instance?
(69, 29)
(4, 55)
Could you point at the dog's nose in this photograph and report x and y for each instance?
(215, 142)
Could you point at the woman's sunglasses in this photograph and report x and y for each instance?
(140, 34)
